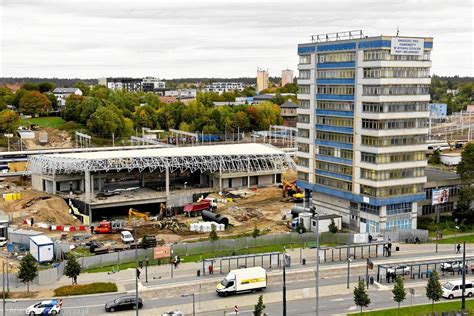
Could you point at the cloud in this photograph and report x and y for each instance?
(185, 38)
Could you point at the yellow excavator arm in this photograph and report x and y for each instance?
(134, 213)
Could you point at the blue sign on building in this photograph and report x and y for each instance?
(438, 110)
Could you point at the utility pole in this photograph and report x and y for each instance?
(348, 270)
(3, 283)
(136, 265)
(317, 264)
(284, 284)
(463, 301)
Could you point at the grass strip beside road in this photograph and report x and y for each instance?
(423, 310)
(469, 239)
(85, 289)
(199, 257)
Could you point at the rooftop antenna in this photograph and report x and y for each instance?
(398, 30)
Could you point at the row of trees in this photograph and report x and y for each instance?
(465, 169)
(119, 112)
(434, 292)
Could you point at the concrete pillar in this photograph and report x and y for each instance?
(87, 185)
(99, 184)
(142, 180)
(54, 183)
(167, 182)
(248, 172)
(220, 177)
(92, 186)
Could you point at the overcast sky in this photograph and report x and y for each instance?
(222, 38)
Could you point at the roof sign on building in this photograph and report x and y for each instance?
(407, 46)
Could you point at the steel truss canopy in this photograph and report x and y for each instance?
(225, 158)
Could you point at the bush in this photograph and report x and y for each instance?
(70, 126)
(83, 289)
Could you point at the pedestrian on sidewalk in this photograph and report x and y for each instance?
(211, 269)
(138, 273)
(458, 247)
(74, 280)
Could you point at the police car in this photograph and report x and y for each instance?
(51, 307)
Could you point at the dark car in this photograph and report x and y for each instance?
(123, 303)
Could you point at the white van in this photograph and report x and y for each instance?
(243, 280)
(453, 289)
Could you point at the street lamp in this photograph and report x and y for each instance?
(192, 294)
(349, 260)
(317, 260)
(285, 261)
(136, 265)
(146, 268)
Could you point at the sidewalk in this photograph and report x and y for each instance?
(187, 271)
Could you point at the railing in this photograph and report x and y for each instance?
(339, 36)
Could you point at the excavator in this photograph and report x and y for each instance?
(133, 213)
(291, 192)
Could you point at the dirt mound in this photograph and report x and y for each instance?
(244, 214)
(41, 206)
(56, 139)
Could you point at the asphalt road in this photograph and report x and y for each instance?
(94, 305)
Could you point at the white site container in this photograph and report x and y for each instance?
(42, 248)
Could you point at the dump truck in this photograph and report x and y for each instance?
(243, 280)
(109, 227)
(196, 208)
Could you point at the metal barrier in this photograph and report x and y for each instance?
(225, 264)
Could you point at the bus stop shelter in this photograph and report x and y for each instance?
(267, 260)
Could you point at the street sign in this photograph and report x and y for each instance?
(412, 291)
(8, 135)
(236, 309)
(162, 252)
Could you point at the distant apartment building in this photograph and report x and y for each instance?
(181, 93)
(262, 79)
(286, 77)
(62, 94)
(289, 114)
(151, 84)
(221, 87)
(128, 84)
(362, 127)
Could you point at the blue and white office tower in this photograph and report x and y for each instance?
(362, 123)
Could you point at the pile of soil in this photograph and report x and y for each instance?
(41, 206)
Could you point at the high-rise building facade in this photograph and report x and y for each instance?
(286, 77)
(262, 79)
(362, 127)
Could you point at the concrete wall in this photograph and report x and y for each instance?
(179, 200)
(266, 180)
(36, 182)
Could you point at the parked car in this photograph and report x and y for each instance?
(453, 289)
(452, 266)
(173, 313)
(399, 270)
(123, 303)
(126, 236)
(3, 241)
(457, 266)
(50, 307)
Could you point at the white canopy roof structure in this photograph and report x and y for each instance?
(233, 158)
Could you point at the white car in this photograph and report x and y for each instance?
(399, 270)
(126, 236)
(3, 241)
(51, 307)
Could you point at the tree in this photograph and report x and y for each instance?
(255, 232)
(18, 96)
(213, 234)
(73, 268)
(361, 297)
(52, 98)
(46, 87)
(9, 121)
(399, 291)
(332, 226)
(260, 307)
(104, 122)
(434, 291)
(435, 158)
(28, 270)
(465, 168)
(34, 102)
(30, 86)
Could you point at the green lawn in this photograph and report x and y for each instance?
(459, 239)
(423, 310)
(53, 122)
(199, 257)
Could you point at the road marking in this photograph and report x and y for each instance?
(337, 300)
(352, 308)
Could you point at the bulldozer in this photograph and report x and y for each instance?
(291, 192)
(133, 213)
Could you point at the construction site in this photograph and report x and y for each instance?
(166, 194)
